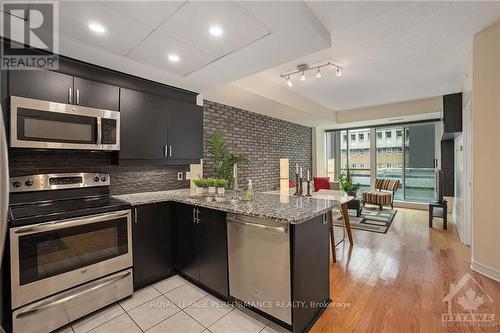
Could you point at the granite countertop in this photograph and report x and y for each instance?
(281, 208)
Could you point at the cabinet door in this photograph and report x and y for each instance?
(41, 84)
(213, 250)
(152, 248)
(185, 130)
(143, 126)
(96, 95)
(186, 241)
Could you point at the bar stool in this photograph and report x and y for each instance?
(443, 213)
(345, 215)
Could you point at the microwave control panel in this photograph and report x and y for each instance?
(108, 127)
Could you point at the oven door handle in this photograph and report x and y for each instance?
(58, 300)
(47, 226)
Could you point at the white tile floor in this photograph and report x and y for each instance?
(172, 305)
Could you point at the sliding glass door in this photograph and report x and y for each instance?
(403, 152)
(389, 145)
(420, 158)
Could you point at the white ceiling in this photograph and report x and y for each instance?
(391, 51)
(140, 34)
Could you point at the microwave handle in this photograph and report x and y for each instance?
(47, 226)
(70, 96)
(99, 130)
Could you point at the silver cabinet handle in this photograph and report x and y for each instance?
(46, 226)
(56, 301)
(194, 215)
(135, 215)
(70, 96)
(165, 151)
(197, 215)
(256, 225)
(77, 96)
(170, 151)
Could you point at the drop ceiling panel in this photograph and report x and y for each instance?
(150, 13)
(192, 21)
(122, 33)
(155, 49)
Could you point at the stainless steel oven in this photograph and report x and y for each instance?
(51, 257)
(42, 124)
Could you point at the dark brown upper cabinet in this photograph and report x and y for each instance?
(96, 94)
(62, 88)
(159, 130)
(44, 85)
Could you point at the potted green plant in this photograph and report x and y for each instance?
(224, 159)
(347, 185)
(201, 184)
(211, 184)
(221, 185)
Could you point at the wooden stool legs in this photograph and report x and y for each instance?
(345, 214)
(347, 223)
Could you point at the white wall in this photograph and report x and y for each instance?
(486, 152)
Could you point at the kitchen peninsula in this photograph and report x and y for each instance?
(272, 253)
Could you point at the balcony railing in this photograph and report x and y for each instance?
(419, 182)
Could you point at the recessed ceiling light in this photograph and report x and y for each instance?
(173, 57)
(96, 27)
(215, 31)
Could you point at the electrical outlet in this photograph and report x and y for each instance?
(188, 175)
(179, 176)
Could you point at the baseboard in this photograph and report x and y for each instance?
(490, 272)
(411, 205)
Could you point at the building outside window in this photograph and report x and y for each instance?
(388, 135)
(400, 150)
(388, 151)
(379, 135)
(361, 152)
(380, 151)
(354, 152)
(353, 137)
(361, 137)
(399, 133)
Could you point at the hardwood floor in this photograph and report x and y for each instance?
(396, 282)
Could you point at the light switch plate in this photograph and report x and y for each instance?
(188, 175)
(179, 176)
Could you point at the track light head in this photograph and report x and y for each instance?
(303, 76)
(289, 82)
(318, 74)
(339, 71)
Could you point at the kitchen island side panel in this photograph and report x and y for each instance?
(310, 271)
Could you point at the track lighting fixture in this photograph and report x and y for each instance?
(303, 68)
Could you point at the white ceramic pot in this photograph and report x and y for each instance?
(221, 190)
(200, 190)
(211, 190)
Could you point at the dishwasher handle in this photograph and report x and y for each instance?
(282, 230)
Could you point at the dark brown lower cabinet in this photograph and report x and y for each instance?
(200, 246)
(152, 230)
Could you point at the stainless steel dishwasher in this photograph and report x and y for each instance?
(259, 264)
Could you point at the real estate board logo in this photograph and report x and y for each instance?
(29, 28)
(465, 302)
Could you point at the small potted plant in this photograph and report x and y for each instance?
(221, 185)
(211, 184)
(347, 185)
(201, 184)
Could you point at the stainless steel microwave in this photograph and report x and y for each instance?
(49, 125)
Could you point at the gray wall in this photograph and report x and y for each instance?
(264, 139)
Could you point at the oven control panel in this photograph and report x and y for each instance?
(58, 181)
